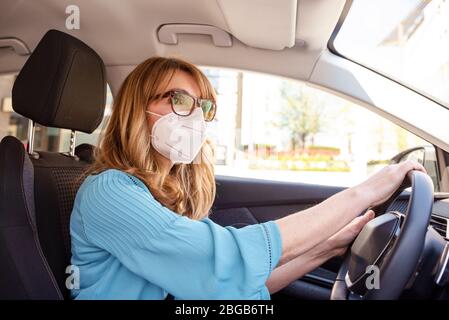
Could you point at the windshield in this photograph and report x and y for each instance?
(407, 40)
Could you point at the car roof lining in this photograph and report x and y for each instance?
(125, 33)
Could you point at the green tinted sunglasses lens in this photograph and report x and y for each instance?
(182, 103)
(208, 108)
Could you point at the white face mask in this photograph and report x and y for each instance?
(179, 138)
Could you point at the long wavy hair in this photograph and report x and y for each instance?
(125, 144)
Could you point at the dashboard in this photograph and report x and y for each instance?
(440, 211)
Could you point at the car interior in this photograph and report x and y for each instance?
(62, 83)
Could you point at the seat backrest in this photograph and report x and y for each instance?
(57, 178)
(24, 271)
(62, 85)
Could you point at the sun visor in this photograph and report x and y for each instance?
(264, 24)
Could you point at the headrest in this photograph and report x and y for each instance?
(62, 84)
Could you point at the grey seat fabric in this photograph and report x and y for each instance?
(62, 85)
(57, 179)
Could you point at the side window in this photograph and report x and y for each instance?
(278, 129)
(46, 139)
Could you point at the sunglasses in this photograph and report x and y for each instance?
(183, 104)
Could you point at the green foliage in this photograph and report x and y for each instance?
(327, 148)
(300, 114)
(377, 162)
(301, 164)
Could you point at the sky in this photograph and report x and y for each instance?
(369, 22)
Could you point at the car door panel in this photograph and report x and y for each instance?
(244, 201)
(235, 192)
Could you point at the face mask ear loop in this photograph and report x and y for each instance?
(153, 113)
(156, 114)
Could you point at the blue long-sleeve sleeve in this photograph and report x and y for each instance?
(128, 246)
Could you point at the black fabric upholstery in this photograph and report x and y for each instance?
(36, 200)
(236, 217)
(62, 84)
(57, 179)
(24, 271)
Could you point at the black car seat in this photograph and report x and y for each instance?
(62, 85)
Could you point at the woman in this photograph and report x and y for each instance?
(140, 226)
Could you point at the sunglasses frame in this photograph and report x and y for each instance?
(196, 102)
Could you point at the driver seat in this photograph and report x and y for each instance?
(62, 85)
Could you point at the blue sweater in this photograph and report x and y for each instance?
(129, 246)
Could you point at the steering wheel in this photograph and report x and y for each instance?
(384, 256)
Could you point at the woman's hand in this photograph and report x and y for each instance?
(310, 260)
(339, 242)
(307, 230)
(381, 185)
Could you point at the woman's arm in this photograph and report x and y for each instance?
(304, 230)
(190, 259)
(334, 246)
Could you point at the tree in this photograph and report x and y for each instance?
(300, 114)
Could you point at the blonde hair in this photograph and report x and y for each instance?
(188, 189)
